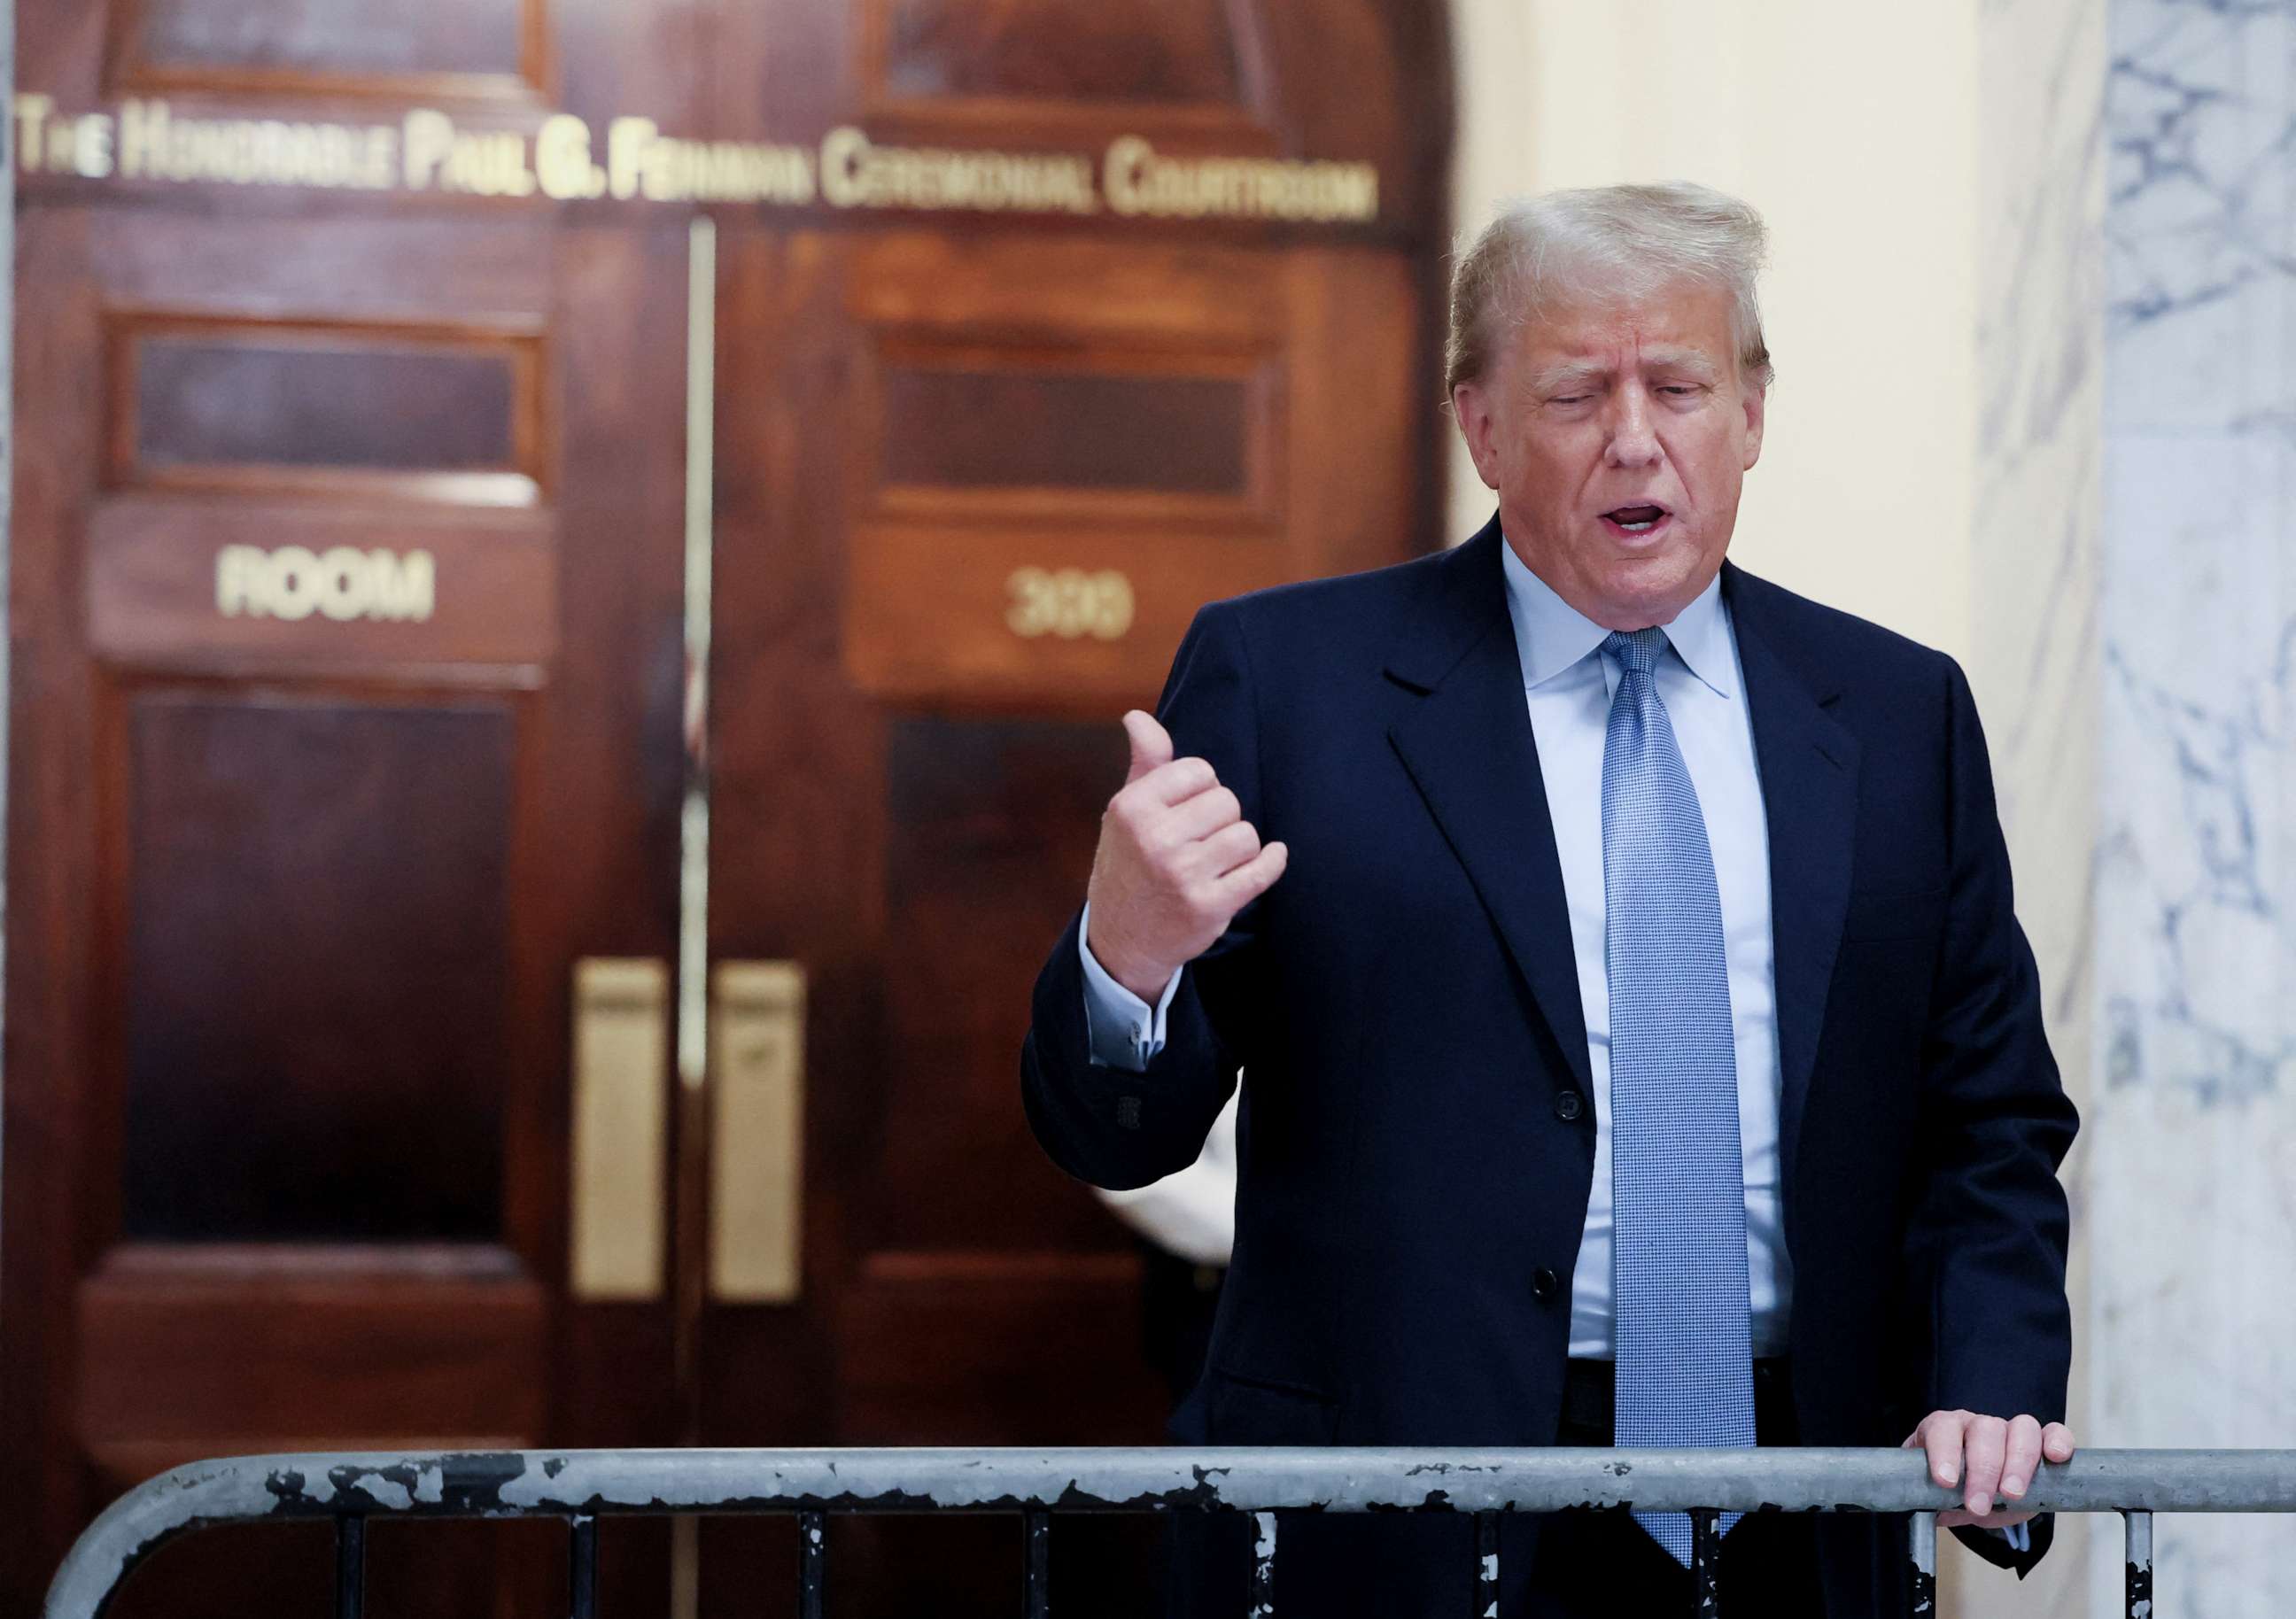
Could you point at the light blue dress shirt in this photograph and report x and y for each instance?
(1569, 683)
(1566, 684)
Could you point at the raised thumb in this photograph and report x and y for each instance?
(1151, 745)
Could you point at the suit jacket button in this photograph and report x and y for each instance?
(1567, 1106)
(1544, 1284)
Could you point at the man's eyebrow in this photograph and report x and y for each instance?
(1688, 362)
(1575, 376)
(1569, 375)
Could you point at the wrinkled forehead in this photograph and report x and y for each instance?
(1679, 321)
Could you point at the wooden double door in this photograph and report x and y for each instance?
(547, 745)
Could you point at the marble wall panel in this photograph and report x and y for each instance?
(2192, 1167)
(2034, 570)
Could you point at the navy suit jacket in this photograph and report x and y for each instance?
(1405, 1005)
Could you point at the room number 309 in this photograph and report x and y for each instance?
(1069, 602)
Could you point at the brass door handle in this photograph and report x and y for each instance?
(618, 1229)
(757, 1131)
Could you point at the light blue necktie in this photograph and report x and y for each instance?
(1685, 1370)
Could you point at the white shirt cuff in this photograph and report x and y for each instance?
(1123, 1031)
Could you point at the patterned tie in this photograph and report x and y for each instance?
(1685, 1370)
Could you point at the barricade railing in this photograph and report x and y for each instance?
(1036, 1486)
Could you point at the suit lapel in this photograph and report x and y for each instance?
(1809, 763)
(1467, 744)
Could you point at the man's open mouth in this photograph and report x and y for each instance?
(1637, 519)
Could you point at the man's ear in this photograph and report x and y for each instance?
(1471, 407)
(1758, 400)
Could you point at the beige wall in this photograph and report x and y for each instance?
(1930, 173)
(1863, 495)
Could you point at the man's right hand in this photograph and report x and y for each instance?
(1177, 861)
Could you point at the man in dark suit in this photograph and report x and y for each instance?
(1638, 1045)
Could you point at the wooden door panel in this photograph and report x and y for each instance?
(908, 771)
(919, 844)
(1050, 556)
(302, 1351)
(989, 831)
(332, 830)
(494, 46)
(240, 402)
(1166, 431)
(1355, 81)
(1185, 53)
(198, 585)
(317, 921)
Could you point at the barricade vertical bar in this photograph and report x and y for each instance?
(2140, 1563)
(1486, 1565)
(812, 1563)
(1263, 1567)
(1036, 1528)
(1703, 1544)
(582, 1564)
(1922, 1535)
(350, 1567)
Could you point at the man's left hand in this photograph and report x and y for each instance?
(1985, 1457)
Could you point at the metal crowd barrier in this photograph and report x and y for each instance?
(582, 1486)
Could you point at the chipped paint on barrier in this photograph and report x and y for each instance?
(2137, 1573)
(1262, 1481)
(246, 1489)
(1263, 1567)
(389, 1493)
(1922, 1533)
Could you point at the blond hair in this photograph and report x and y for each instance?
(1600, 244)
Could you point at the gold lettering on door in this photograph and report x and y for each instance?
(1069, 602)
(473, 162)
(342, 584)
(428, 152)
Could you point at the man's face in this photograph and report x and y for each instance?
(1617, 436)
